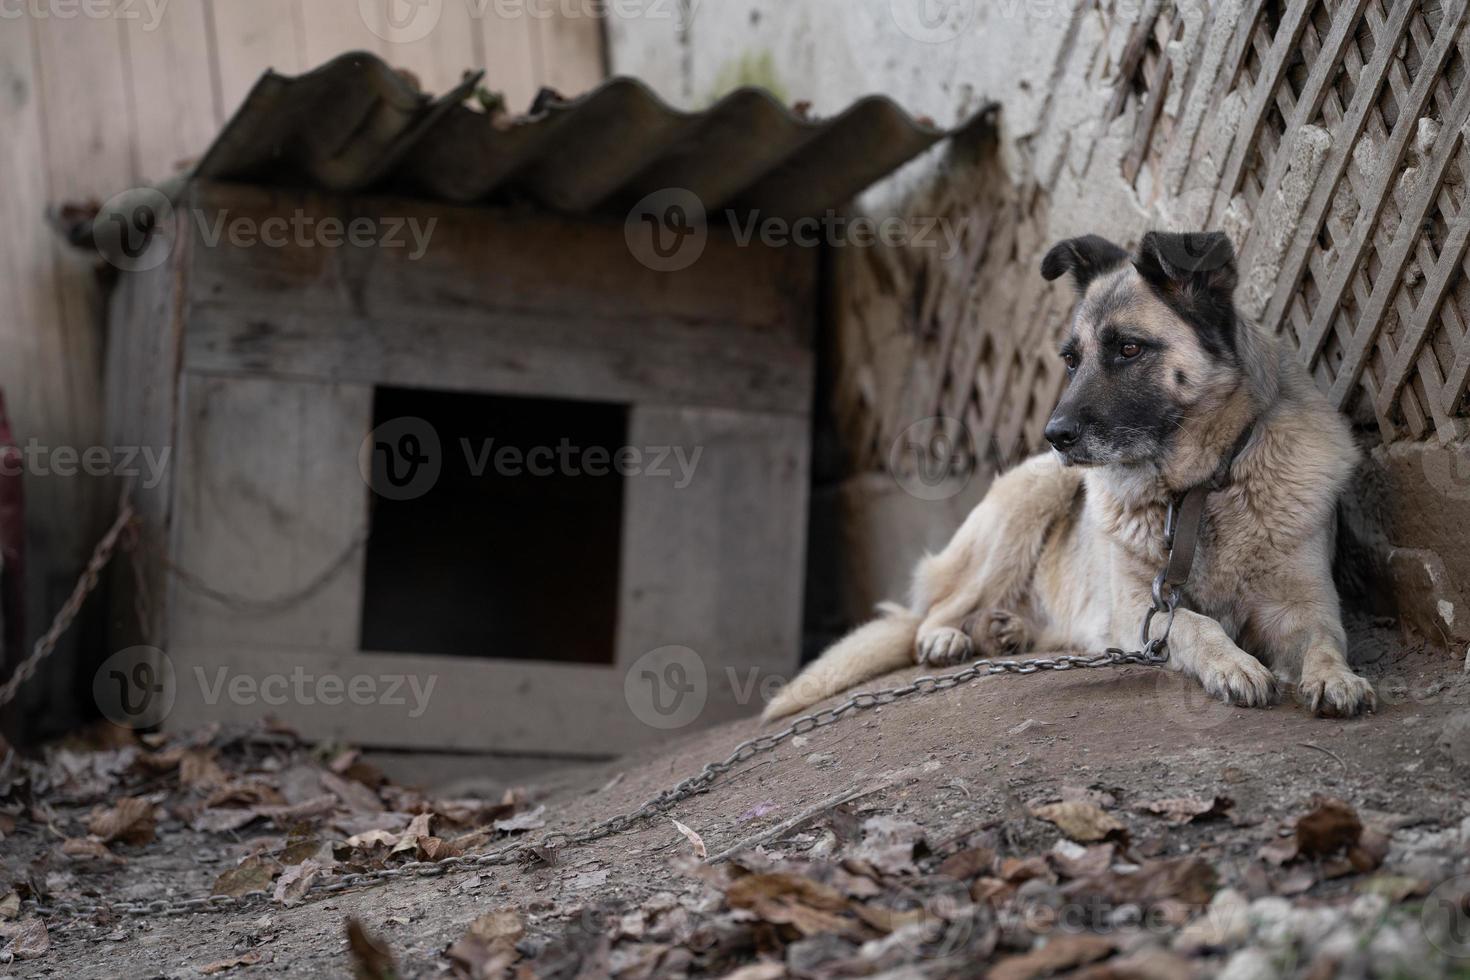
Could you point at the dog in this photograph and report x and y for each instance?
(1169, 389)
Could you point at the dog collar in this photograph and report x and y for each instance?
(1182, 524)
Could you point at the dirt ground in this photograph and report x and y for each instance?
(972, 809)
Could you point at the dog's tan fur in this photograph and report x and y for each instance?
(1061, 557)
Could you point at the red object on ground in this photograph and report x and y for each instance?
(12, 546)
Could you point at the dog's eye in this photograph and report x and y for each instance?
(1070, 360)
(1130, 350)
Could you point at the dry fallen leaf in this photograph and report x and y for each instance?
(889, 844)
(1075, 861)
(131, 821)
(530, 820)
(1085, 823)
(198, 768)
(1331, 826)
(29, 941)
(371, 959)
(220, 966)
(1184, 809)
(967, 864)
(10, 906)
(87, 849)
(296, 881)
(700, 851)
(1063, 951)
(251, 875)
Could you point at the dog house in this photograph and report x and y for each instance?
(486, 434)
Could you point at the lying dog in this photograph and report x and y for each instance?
(1169, 390)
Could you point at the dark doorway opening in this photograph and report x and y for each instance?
(514, 550)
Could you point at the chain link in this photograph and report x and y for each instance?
(1154, 653)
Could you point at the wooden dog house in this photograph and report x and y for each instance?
(282, 373)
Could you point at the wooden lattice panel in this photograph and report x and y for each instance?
(1327, 136)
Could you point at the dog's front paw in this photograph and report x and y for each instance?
(1336, 692)
(1238, 678)
(943, 647)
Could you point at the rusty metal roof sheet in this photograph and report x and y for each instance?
(355, 124)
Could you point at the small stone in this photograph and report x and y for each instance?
(1225, 925)
(821, 760)
(1368, 909)
(1249, 964)
(1268, 912)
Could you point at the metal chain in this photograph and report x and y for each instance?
(1154, 653)
(91, 575)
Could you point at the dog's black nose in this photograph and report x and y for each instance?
(1063, 431)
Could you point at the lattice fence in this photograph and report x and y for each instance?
(1326, 136)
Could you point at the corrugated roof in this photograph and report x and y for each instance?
(355, 124)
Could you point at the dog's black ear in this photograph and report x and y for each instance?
(1188, 263)
(1086, 258)
(1195, 273)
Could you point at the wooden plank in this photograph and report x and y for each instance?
(145, 330)
(250, 37)
(1392, 262)
(1283, 47)
(1457, 378)
(1131, 59)
(1387, 163)
(86, 131)
(268, 501)
(173, 92)
(1148, 117)
(555, 709)
(473, 259)
(440, 59)
(330, 29)
(573, 56)
(1345, 136)
(512, 46)
(718, 565)
(626, 360)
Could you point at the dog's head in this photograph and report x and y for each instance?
(1153, 343)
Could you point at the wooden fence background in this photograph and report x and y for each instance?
(90, 106)
(1326, 136)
